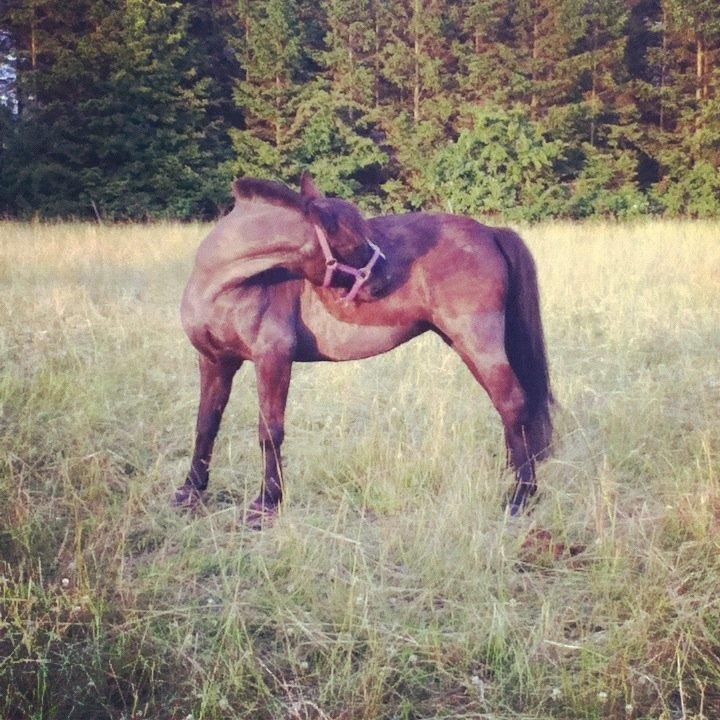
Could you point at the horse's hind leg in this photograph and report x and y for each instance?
(481, 345)
(215, 385)
(273, 382)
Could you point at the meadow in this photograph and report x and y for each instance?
(392, 586)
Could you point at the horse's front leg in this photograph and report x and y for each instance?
(215, 385)
(273, 381)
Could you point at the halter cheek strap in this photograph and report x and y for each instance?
(361, 275)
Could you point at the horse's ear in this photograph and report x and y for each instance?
(308, 190)
(324, 215)
(321, 213)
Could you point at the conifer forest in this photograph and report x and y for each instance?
(526, 109)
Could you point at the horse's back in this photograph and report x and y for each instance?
(445, 267)
(453, 259)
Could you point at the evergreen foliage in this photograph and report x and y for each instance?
(500, 165)
(528, 108)
(114, 115)
(607, 186)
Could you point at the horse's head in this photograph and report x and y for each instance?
(350, 240)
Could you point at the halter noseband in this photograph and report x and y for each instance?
(361, 275)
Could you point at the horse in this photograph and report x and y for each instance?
(264, 289)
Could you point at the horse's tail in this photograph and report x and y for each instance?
(525, 341)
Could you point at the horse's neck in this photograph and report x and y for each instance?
(251, 239)
(256, 236)
(259, 228)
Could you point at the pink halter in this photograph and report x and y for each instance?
(361, 275)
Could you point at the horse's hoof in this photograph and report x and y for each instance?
(187, 497)
(511, 505)
(258, 515)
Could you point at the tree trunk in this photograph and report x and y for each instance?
(416, 85)
(376, 79)
(278, 84)
(699, 67)
(534, 76)
(247, 47)
(32, 100)
(708, 73)
(593, 92)
(33, 48)
(351, 62)
(663, 65)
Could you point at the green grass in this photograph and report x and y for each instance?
(392, 586)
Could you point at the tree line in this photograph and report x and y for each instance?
(141, 109)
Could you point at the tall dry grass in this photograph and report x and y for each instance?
(392, 586)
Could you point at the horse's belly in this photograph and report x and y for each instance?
(348, 334)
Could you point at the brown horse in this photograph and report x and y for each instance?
(257, 293)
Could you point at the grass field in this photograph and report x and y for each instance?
(392, 586)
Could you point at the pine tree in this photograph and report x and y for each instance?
(37, 176)
(332, 140)
(350, 60)
(538, 46)
(147, 125)
(695, 25)
(334, 132)
(112, 116)
(591, 74)
(689, 151)
(412, 53)
(417, 108)
(274, 63)
(487, 65)
(502, 164)
(8, 74)
(212, 38)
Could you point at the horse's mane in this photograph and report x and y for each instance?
(271, 192)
